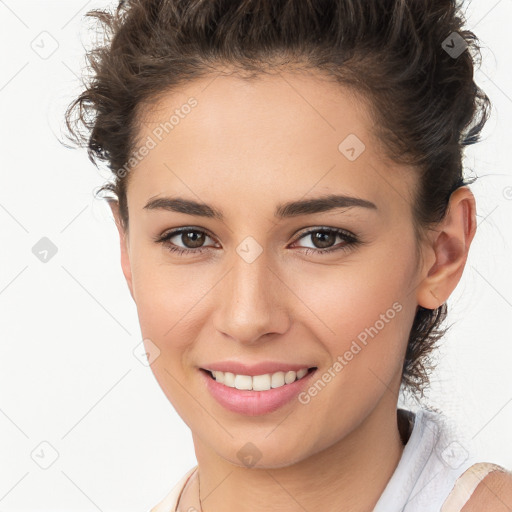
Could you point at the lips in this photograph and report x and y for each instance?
(253, 402)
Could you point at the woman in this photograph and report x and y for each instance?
(293, 216)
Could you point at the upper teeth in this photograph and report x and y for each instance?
(258, 382)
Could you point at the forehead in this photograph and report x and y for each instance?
(287, 135)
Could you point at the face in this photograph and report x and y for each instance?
(323, 285)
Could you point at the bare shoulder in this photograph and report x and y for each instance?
(493, 494)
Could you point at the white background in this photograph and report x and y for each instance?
(68, 375)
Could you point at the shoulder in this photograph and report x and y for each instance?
(492, 494)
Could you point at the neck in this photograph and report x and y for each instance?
(353, 472)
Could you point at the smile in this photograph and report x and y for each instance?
(257, 394)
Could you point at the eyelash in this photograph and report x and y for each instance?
(350, 239)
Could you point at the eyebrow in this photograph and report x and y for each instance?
(285, 210)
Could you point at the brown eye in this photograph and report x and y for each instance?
(191, 240)
(323, 240)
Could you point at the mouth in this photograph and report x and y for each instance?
(257, 394)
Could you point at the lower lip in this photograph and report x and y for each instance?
(254, 403)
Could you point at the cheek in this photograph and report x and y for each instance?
(367, 312)
(366, 308)
(167, 296)
(168, 305)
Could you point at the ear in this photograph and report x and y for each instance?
(448, 247)
(124, 244)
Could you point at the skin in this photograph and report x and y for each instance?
(246, 147)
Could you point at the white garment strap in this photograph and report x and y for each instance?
(466, 484)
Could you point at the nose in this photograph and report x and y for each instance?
(252, 302)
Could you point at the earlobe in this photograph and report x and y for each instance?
(450, 243)
(124, 245)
